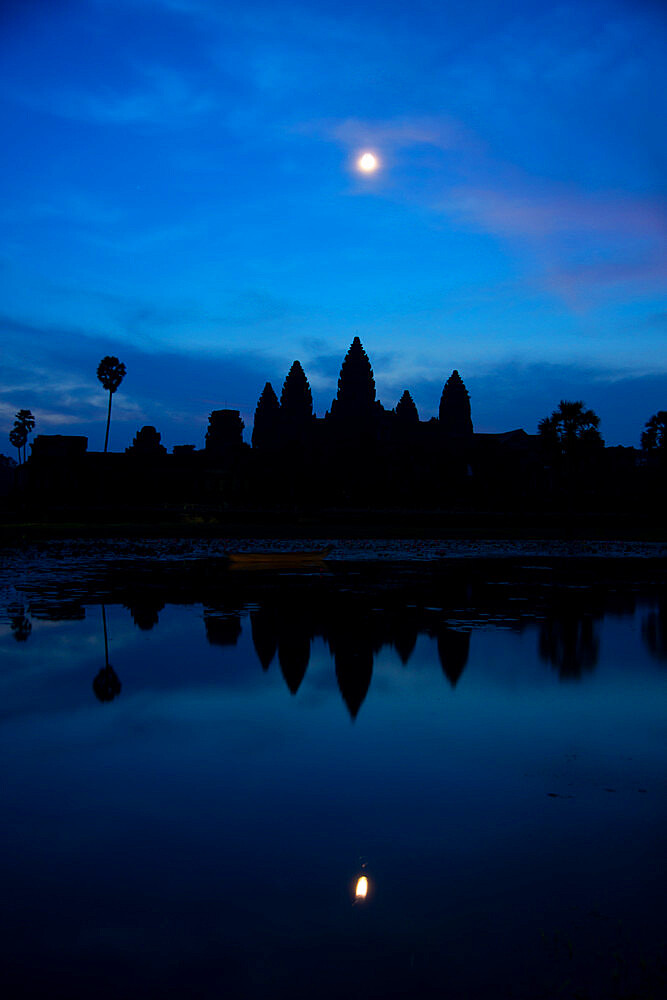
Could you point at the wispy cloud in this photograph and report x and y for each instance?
(581, 241)
(587, 283)
(585, 244)
(159, 96)
(395, 134)
(528, 213)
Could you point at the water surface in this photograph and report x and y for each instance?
(188, 805)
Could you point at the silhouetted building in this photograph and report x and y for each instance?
(407, 417)
(296, 408)
(358, 454)
(58, 446)
(355, 401)
(454, 412)
(146, 443)
(224, 434)
(266, 427)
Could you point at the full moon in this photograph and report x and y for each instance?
(367, 162)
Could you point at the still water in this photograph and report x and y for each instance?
(199, 767)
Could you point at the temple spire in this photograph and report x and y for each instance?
(454, 414)
(356, 385)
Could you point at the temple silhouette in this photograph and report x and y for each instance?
(359, 451)
(359, 454)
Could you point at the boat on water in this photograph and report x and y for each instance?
(268, 559)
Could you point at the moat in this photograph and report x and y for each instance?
(200, 763)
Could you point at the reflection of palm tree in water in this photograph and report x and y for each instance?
(569, 640)
(106, 685)
(654, 631)
(19, 623)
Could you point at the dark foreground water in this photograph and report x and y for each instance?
(185, 812)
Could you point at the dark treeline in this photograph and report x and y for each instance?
(359, 454)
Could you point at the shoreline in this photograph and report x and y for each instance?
(209, 524)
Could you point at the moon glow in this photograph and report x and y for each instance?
(361, 890)
(367, 163)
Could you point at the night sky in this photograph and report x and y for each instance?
(179, 188)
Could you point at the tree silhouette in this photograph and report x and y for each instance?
(454, 411)
(110, 373)
(18, 437)
(569, 641)
(571, 429)
(19, 623)
(26, 421)
(654, 630)
(267, 418)
(654, 437)
(106, 684)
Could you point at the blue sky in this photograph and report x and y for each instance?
(180, 190)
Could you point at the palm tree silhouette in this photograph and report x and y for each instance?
(654, 436)
(569, 427)
(26, 422)
(111, 373)
(18, 436)
(106, 684)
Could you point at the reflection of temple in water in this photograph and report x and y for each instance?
(353, 660)
(145, 609)
(358, 615)
(223, 625)
(405, 638)
(293, 656)
(355, 633)
(264, 631)
(453, 650)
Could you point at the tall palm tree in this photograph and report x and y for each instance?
(570, 428)
(654, 437)
(18, 437)
(26, 421)
(111, 373)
